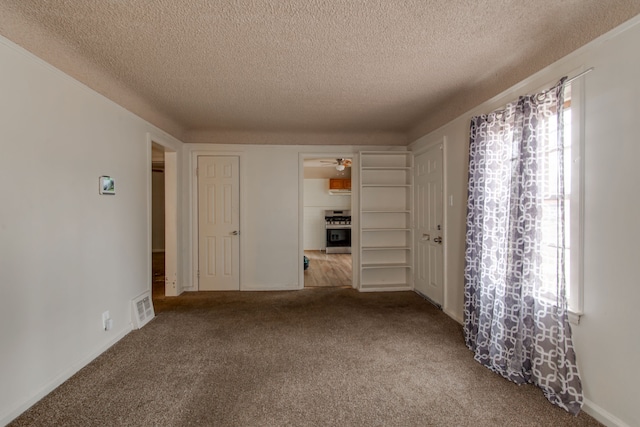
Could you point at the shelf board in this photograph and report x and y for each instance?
(405, 211)
(385, 168)
(386, 265)
(386, 185)
(386, 229)
(382, 287)
(386, 248)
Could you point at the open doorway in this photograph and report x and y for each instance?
(163, 221)
(326, 227)
(157, 222)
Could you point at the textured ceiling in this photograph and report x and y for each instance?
(384, 71)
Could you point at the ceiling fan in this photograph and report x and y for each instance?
(339, 164)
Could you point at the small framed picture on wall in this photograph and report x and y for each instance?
(107, 185)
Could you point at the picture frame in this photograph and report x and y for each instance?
(107, 185)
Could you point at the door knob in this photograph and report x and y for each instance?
(438, 240)
(235, 233)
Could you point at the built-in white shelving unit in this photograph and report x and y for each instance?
(386, 188)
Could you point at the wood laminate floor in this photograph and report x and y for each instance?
(327, 270)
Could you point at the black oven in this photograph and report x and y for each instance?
(338, 231)
(338, 239)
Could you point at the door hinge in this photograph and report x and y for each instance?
(198, 273)
(197, 171)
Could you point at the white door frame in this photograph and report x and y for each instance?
(445, 234)
(193, 207)
(173, 286)
(355, 184)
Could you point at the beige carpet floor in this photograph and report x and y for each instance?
(316, 357)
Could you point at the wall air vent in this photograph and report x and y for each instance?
(142, 310)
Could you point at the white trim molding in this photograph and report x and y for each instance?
(602, 415)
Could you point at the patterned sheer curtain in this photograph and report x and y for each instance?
(516, 320)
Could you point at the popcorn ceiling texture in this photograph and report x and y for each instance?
(304, 71)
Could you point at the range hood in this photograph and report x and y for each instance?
(340, 192)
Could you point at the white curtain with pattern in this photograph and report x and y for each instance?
(516, 320)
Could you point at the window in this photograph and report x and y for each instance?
(572, 206)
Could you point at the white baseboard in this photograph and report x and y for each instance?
(602, 415)
(390, 289)
(57, 381)
(251, 288)
(453, 316)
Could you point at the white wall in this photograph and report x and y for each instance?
(271, 212)
(66, 253)
(607, 339)
(316, 200)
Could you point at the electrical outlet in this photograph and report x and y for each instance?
(106, 321)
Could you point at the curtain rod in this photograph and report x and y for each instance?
(588, 70)
(577, 76)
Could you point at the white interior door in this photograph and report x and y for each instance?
(218, 223)
(429, 265)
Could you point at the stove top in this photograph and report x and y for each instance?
(340, 220)
(334, 217)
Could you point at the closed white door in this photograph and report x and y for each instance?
(429, 265)
(218, 223)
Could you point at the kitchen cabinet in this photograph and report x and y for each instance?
(386, 209)
(339, 184)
